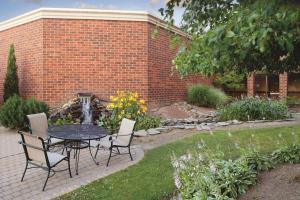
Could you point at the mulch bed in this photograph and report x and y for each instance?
(280, 183)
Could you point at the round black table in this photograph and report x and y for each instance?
(77, 136)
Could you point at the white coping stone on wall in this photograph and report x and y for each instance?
(93, 14)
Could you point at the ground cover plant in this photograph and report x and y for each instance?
(152, 178)
(203, 95)
(206, 175)
(254, 109)
(13, 112)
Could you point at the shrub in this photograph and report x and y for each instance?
(14, 110)
(291, 101)
(123, 105)
(11, 83)
(254, 109)
(202, 95)
(147, 122)
(62, 121)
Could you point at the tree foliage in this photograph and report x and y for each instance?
(250, 36)
(11, 83)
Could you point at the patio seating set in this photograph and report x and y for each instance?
(40, 142)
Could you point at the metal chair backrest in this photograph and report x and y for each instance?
(126, 131)
(38, 125)
(34, 149)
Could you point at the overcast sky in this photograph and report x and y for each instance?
(12, 8)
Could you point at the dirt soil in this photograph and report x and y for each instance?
(281, 183)
(180, 110)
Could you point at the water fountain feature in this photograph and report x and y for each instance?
(87, 114)
(85, 99)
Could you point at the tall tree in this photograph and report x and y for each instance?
(11, 83)
(250, 36)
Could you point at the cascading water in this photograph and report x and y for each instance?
(87, 114)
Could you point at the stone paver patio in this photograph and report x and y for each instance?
(12, 164)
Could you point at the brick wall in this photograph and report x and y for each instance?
(251, 85)
(27, 39)
(165, 84)
(93, 56)
(58, 58)
(283, 85)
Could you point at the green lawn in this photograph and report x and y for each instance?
(152, 177)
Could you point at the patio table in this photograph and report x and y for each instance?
(77, 137)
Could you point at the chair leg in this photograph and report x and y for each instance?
(130, 153)
(109, 156)
(24, 171)
(96, 151)
(46, 180)
(68, 153)
(118, 150)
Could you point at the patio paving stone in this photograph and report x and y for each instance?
(12, 164)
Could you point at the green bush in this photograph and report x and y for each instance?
(14, 110)
(291, 101)
(11, 83)
(147, 122)
(62, 121)
(254, 109)
(202, 95)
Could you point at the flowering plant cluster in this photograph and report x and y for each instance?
(127, 105)
(204, 175)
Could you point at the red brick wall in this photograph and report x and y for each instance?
(283, 85)
(93, 56)
(58, 58)
(28, 42)
(251, 85)
(165, 85)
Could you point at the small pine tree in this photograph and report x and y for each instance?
(11, 83)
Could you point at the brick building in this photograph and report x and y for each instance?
(275, 86)
(61, 52)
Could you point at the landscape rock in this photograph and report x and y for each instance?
(140, 133)
(178, 127)
(153, 131)
(73, 108)
(189, 127)
(236, 121)
(222, 123)
(163, 129)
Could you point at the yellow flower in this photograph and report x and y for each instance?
(144, 108)
(115, 98)
(110, 106)
(142, 101)
(136, 95)
(111, 98)
(122, 112)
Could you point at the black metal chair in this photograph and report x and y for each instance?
(122, 140)
(39, 127)
(38, 155)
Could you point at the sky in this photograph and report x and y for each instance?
(13, 8)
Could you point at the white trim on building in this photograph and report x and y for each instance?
(93, 14)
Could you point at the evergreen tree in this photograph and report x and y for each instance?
(11, 83)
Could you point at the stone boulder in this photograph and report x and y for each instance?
(73, 108)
